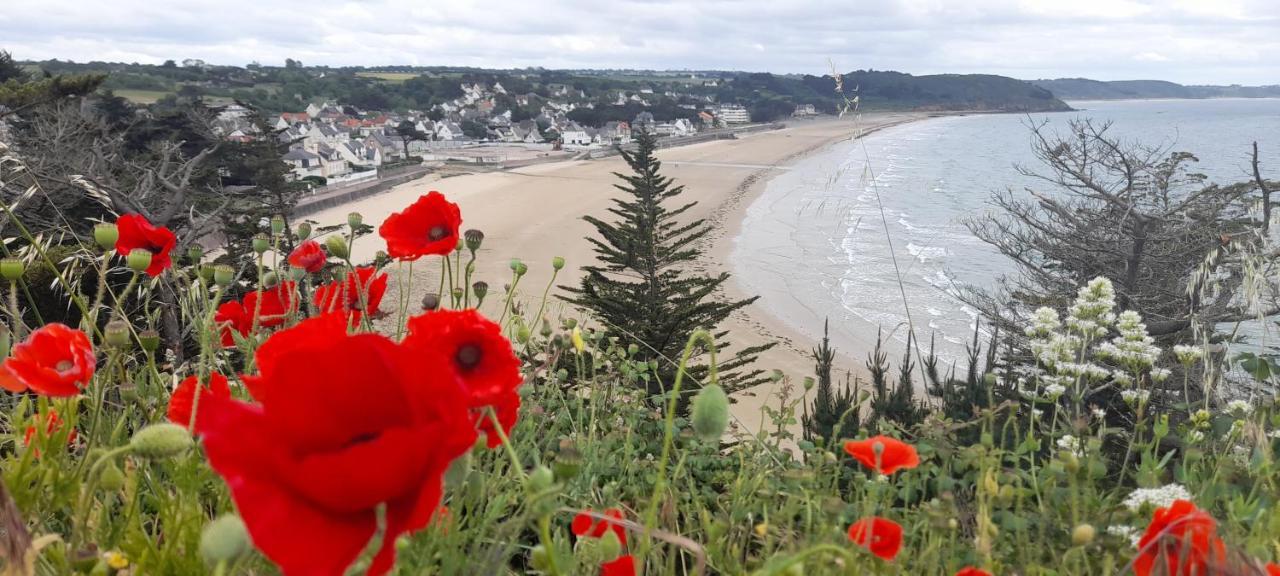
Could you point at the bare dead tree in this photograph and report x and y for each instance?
(1136, 214)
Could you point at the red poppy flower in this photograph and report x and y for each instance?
(345, 425)
(9, 381)
(428, 226)
(183, 398)
(971, 571)
(53, 423)
(479, 354)
(308, 256)
(230, 318)
(624, 565)
(883, 537)
(894, 454)
(1273, 569)
(586, 525)
(360, 292)
(55, 360)
(276, 303)
(1183, 539)
(136, 232)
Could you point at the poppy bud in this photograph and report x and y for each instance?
(1083, 534)
(117, 334)
(457, 293)
(354, 220)
(277, 224)
(570, 323)
(138, 259)
(460, 245)
(111, 479)
(224, 539)
(540, 480)
(540, 558)
(518, 267)
(149, 339)
(270, 279)
(710, 412)
(337, 246)
(610, 546)
(261, 243)
(161, 440)
(105, 234)
(557, 262)
(474, 238)
(808, 383)
(480, 288)
(223, 275)
(195, 252)
(522, 334)
(304, 230)
(633, 349)
(430, 301)
(12, 268)
(546, 328)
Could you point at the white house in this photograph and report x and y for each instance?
(733, 114)
(575, 134)
(303, 163)
(446, 130)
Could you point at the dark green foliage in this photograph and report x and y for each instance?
(832, 408)
(642, 288)
(893, 400)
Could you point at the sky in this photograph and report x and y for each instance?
(1187, 41)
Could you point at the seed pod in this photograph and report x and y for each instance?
(261, 243)
(304, 230)
(161, 441)
(195, 252)
(480, 288)
(474, 238)
(223, 275)
(12, 268)
(117, 334)
(430, 301)
(354, 220)
(139, 259)
(277, 224)
(111, 479)
(150, 340)
(106, 234)
(270, 279)
(557, 262)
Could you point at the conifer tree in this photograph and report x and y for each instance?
(830, 415)
(644, 288)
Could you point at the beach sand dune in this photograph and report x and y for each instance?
(535, 213)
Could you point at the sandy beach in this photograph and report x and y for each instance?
(535, 213)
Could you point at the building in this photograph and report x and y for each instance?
(733, 114)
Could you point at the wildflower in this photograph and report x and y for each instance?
(1273, 569)
(972, 571)
(1188, 354)
(479, 355)
(1099, 413)
(1159, 375)
(231, 318)
(359, 294)
(272, 306)
(883, 454)
(346, 425)
(1037, 413)
(183, 398)
(1125, 532)
(54, 360)
(1054, 390)
(428, 226)
(1183, 539)
(116, 560)
(1240, 407)
(1195, 437)
(1163, 496)
(1135, 397)
(587, 525)
(308, 256)
(136, 233)
(1069, 443)
(53, 423)
(624, 565)
(1241, 455)
(881, 536)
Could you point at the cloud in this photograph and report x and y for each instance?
(1194, 41)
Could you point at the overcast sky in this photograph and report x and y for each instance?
(1188, 41)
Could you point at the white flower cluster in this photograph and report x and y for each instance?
(1127, 532)
(1241, 455)
(1084, 370)
(1054, 390)
(1099, 413)
(1135, 396)
(1239, 408)
(1188, 354)
(1195, 437)
(1043, 323)
(1161, 497)
(1091, 313)
(1069, 443)
(1133, 348)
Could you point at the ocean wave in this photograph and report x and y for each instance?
(925, 253)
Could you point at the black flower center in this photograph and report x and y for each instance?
(468, 356)
(362, 438)
(437, 233)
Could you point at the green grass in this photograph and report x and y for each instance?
(142, 96)
(388, 76)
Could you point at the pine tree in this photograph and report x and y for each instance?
(643, 288)
(832, 406)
